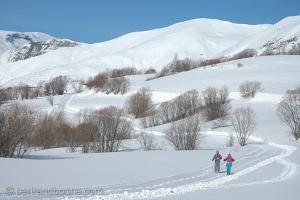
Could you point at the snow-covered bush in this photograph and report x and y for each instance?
(250, 88)
(243, 122)
(186, 134)
(289, 112)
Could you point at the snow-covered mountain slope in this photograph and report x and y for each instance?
(196, 39)
(38, 48)
(280, 36)
(10, 40)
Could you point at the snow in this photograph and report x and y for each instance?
(270, 161)
(7, 44)
(196, 39)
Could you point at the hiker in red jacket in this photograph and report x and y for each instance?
(229, 159)
(217, 158)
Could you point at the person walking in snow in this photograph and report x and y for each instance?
(229, 160)
(217, 158)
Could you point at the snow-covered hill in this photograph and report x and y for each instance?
(196, 39)
(268, 166)
(280, 36)
(33, 49)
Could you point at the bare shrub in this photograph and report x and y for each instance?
(117, 85)
(58, 85)
(245, 54)
(243, 122)
(185, 134)
(50, 99)
(4, 96)
(217, 104)
(17, 125)
(150, 71)
(52, 130)
(230, 141)
(146, 140)
(289, 112)
(24, 91)
(106, 129)
(77, 85)
(86, 130)
(239, 65)
(98, 81)
(140, 102)
(250, 88)
(125, 71)
(185, 105)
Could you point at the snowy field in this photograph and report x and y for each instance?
(267, 168)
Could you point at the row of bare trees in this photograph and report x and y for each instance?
(54, 86)
(213, 102)
(22, 128)
(179, 65)
(184, 105)
(103, 82)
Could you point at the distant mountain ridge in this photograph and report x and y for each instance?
(40, 59)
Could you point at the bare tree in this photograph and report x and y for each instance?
(106, 128)
(217, 104)
(146, 140)
(51, 130)
(77, 85)
(140, 102)
(17, 125)
(117, 85)
(97, 81)
(243, 122)
(289, 112)
(250, 88)
(185, 134)
(58, 84)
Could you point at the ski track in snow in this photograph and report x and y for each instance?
(216, 182)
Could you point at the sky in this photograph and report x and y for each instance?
(99, 20)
